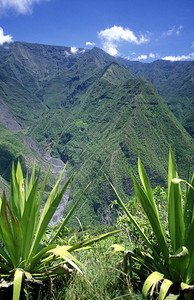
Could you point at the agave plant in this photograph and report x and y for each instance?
(22, 254)
(171, 262)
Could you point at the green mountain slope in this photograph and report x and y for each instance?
(33, 65)
(174, 82)
(86, 109)
(103, 131)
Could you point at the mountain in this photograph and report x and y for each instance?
(174, 82)
(88, 109)
(33, 65)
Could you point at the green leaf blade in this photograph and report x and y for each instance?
(151, 281)
(152, 215)
(17, 283)
(165, 286)
(189, 207)
(48, 211)
(175, 209)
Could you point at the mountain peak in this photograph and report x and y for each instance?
(115, 74)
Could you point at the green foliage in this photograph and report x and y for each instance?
(21, 231)
(102, 269)
(86, 109)
(171, 259)
(174, 82)
(22, 227)
(11, 148)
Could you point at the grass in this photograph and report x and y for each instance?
(104, 271)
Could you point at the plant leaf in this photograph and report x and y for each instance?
(14, 193)
(151, 212)
(92, 240)
(175, 209)
(165, 286)
(20, 182)
(190, 246)
(150, 281)
(188, 208)
(10, 232)
(66, 219)
(172, 297)
(156, 259)
(48, 211)
(39, 199)
(35, 260)
(17, 283)
(117, 248)
(179, 262)
(31, 180)
(146, 184)
(63, 253)
(28, 219)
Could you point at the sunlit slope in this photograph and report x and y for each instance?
(86, 109)
(104, 131)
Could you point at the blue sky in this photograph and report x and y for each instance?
(143, 30)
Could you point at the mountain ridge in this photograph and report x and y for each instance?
(89, 110)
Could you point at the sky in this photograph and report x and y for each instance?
(143, 30)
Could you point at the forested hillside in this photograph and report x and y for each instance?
(96, 112)
(174, 82)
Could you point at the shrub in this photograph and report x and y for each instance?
(23, 255)
(171, 260)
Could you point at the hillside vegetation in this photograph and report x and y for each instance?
(88, 109)
(174, 82)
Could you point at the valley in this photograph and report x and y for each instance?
(97, 113)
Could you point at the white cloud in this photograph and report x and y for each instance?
(141, 57)
(190, 56)
(179, 30)
(4, 38)
(135, 57)
(111, 49)
(21, 6)
(90, 44)
(152, 55)
(173, 31)
(111, 37)
(74, 50)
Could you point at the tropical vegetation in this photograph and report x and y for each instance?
(96, 112)
(23, 254)
(168, 258)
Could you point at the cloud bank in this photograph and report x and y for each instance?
(190, 56)
(20, 6)
(113, 36)
(140, 57)
(4, 38)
